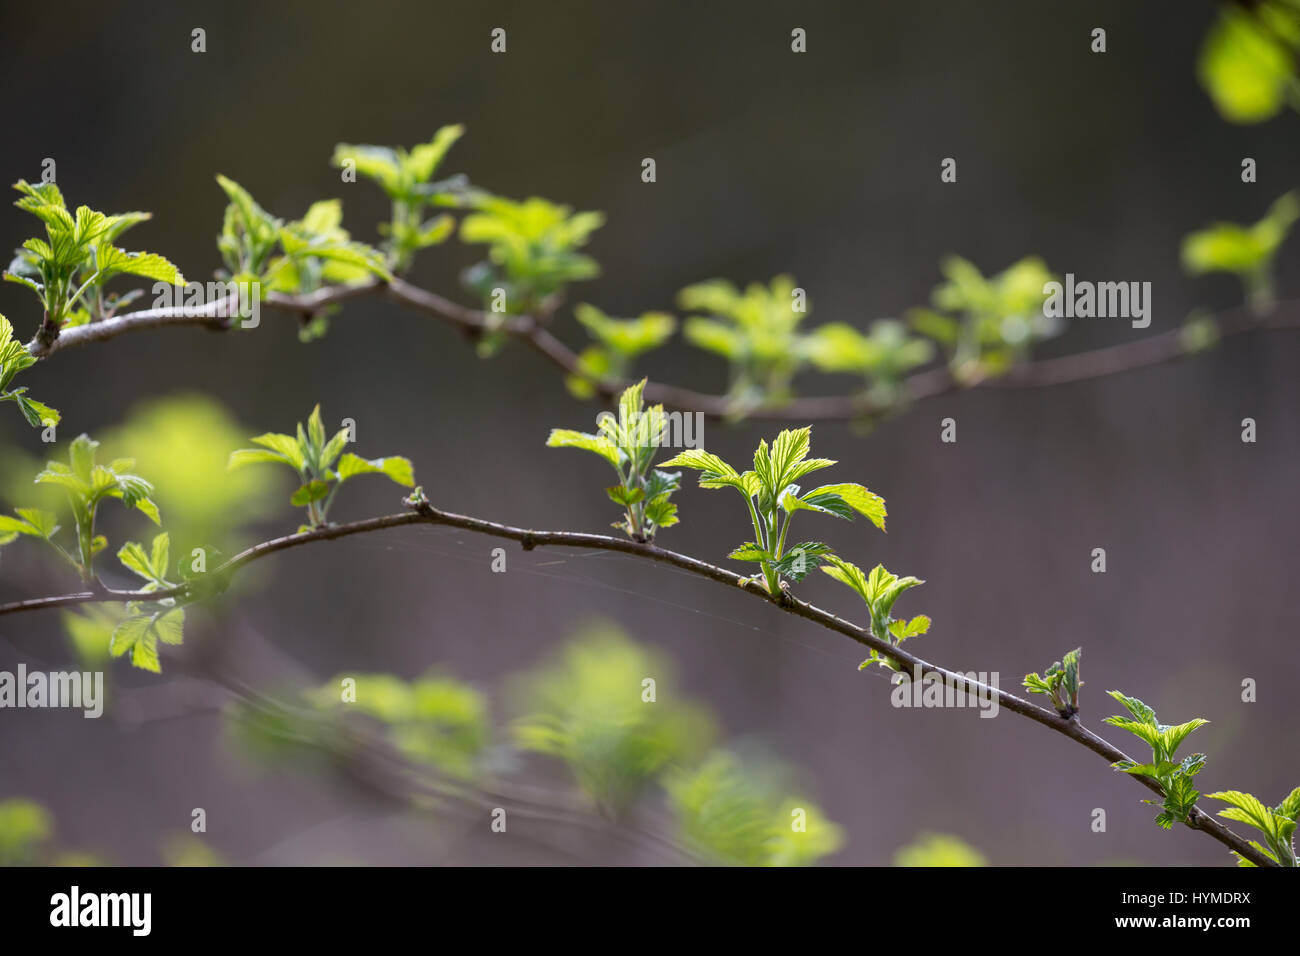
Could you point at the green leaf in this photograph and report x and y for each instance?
(333, 448)
(625, 496)
(1228, 247)
(1246, 808)
(169, 625)
(627, 337)
(251, 456)
(714, 337)
(1173, 737)
(285, 445)
(1135, 707)
(111, 261)
(1245, 67)
(425, 159)
(801, 558)
(133, 558)
(660, 482)
(749, 551)
(662, 512)
(598, 444)
(714, 472)
(395, 467)
(38, 414)
(848, 573)
(316, 431)
(81, 457)
(159, 556)
(378, 163)
(833, 498)
(40, 523)
(790, 447)
(1147, 732)
(150, 510)
(314, 490)
(902, 630)
(141, 633)
(57, 473)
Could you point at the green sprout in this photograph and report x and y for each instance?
(772, 497)
(618, 343)
(1061, 683)
(987, 324)
(87, 484)
(879, 590)
(629, 441)
(1173, 776)
(1245, 251)
(69, 268)
(407, 177)
(323, 466)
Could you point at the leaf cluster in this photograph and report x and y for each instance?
(1248, 60)
(756, 331)
(585, 707)
(772, 496)
(407, 177)
(1247, 252)
(882, 357)
(434, 720)
(148, 623)
(879, 590)
(322, 465)
(986, 324)
(69, 268)
(1060, 682)
(87, 485)
(738, 813)
(293, 257)
(1174, 776)
(618, 342)
(629, 442)
(533, 249)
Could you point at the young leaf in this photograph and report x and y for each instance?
(395, 467)
(312, 491)
(749, 551)
(597, 444)
(846, 499)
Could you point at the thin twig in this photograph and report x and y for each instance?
(423, 513)
(1150, 350)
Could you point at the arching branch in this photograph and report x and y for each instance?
(423, 513)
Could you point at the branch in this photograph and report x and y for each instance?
(423, 513)
(1151, 350)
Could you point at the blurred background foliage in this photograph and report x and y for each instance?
(587, 707)
(27, 838)
(1247, 62)
(628, 747)
(939, 849)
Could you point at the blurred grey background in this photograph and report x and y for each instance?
(823, 165)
